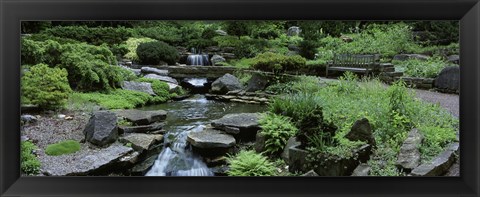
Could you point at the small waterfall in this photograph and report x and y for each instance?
(196, 85)
(176, 160)
(197, 82)
(197, 59)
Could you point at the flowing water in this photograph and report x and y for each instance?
(190, 115)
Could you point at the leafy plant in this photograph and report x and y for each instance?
(62, 148)
(277, 130)
(46, 87)
(29, 163)
(155, 52)
(250, 163)
(421, 68)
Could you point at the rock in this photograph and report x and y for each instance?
(293, 31)
(448, 80)
(217, 59)
(361, 131)
(259, 145)
(140, 117)
(332, 165)
(138, 86)
(102, 128)
(346, 38)
(220, 170)
(140, 141)
(69, 118)
(143, 167)
(297, 159)
(140, 128)
(226, 83)
(409, 156)
(454, 59)
(209, 72)
(220, 32)
(440, 164)
(28, 119)
(210, 138)
(292, 142)
(310, 173)
(243, 125)
(403, 57)
(150, 70)
(362, 169)
(256, 82)
(162, 78)
(61, 116)
(94, 162)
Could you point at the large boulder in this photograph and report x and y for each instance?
(161, 78)
(256, 82)
(140, 141)
(361, 131)
(225, 84)
(138, 86)
(140, 117)
(102, 128)
(150, 70)
(333, 165)
(101, 161)
(210, 138)
(440, 164)
(244, 126)
(409, 156)
(448, 80)
(260, 141)
(217, 59)
(26, 118)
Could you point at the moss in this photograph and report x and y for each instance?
(61, 148)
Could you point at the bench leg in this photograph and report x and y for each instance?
(326, 73)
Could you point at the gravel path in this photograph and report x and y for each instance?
(451, 102)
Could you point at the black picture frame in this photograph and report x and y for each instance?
(14, 11)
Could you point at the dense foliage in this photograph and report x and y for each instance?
(272, 62)
(132, 44)
(91, 35)
(44, 86)
(277, 130)
(155, 52)
(63, 147)
(250, 163)
(421, 68)
(29, 164)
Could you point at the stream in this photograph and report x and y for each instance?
(190, 115)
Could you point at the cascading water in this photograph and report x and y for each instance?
(189, 115)
(197, 59)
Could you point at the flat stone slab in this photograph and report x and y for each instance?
(235, 123)
(211, 138)
(138, 86)
(150, 70)
(440, 164)
(141, 141)
(141, 128)
(140, 117)
(409, 156)
(89, 162)
(161, 78)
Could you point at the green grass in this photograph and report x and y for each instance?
(62, 148)
(29, 163)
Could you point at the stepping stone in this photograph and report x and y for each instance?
(141, 128)
(140, 141)
(210, 138)
(140, 117)
(409, 156)
(243, 125)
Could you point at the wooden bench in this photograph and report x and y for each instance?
(354, 63)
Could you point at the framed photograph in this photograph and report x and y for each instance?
(239, 98)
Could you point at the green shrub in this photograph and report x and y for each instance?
(163, 31)
(119, 50)
(155, 52)
(89, 67)
(250, 163)
(272, 62)
(435, 140)
(46, 87)
(277, 130)
(308, 49)
(132, 44)
(200, 43)
(91, 35)
(62, 148)
(248, 47)
(29, 164)
(306, 112)
(160, 88)
(227, 41)
(421, 68)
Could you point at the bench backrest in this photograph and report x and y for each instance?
(357, 61)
